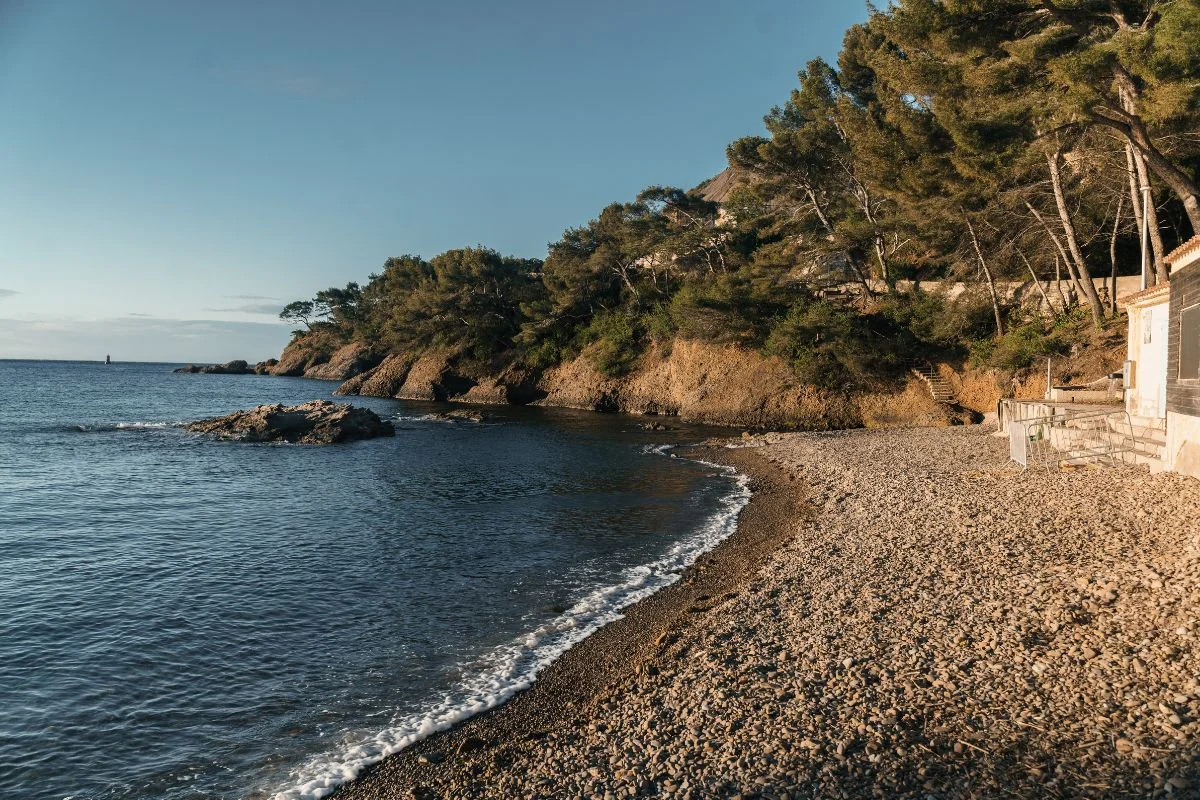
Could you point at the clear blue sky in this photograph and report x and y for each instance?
(171, 173)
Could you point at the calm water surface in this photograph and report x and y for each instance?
(182, 618)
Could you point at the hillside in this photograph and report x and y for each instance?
(956, 189)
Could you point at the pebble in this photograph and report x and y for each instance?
(1006, 636)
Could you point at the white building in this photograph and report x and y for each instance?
(1183, 361)
(1162, 371)
(1146, 362)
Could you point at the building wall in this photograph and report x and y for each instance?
(1183, 444)
(1183, 396)
(1144, 386)
(1023, 292)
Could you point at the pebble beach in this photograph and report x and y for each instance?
(900, 614)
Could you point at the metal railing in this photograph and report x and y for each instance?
(1068, 438)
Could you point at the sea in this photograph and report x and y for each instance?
(182, 617)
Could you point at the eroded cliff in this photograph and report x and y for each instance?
(694, 381)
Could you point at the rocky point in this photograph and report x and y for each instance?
(315, 422)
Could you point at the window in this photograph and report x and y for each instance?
(1189, 343)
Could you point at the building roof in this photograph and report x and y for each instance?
(717, 188)
(1187, 251)
(1147, 297)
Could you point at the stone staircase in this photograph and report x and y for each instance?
(939, 388)
(1141, 444)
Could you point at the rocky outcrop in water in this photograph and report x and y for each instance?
(229, 368)
(315, 422)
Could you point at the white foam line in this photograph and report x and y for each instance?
(513, 668)
(104, 427)
(122, 426)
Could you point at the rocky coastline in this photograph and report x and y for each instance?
(900, 614)
(692, 381)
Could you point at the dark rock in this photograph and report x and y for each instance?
(265, 367)
(315, 422)
(231, 368)
(471, 744)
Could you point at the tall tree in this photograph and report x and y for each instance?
(1133, 67)
(807, 175)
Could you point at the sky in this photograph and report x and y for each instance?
(171, 174)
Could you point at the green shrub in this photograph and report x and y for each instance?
(543, 353)
(660, 324)
(1019, 348)
(935, 323)
(828, 345)
(617, 340)
(723, 309)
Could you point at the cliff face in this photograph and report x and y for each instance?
(694, 381)
(319, 357)
(701, 383)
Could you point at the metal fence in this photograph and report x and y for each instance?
(1071, 438)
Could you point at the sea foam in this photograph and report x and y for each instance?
(514, 667)
(108, 427)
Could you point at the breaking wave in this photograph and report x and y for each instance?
(107, 427)
(513, 667)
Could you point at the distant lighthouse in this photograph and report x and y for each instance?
(108, 359)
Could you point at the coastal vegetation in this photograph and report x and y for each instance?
(953, 142)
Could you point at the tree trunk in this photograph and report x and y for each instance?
(1058, 283)
(991, 282)
(1182, 184)
(1085, 276)
(1038, 284)
(1135, 196)
(1161, 274)
(1112, 257)
(1062, 254)
(883, 264)
(861, 274)
(623, 272)
(816, 204)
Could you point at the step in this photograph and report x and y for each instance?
(1149, 423)
(1149, 443)
(1155, 463)
(1149, 434)
(1133, 458)
(939, 388)
(1116, 428)
(1095, 449)
(1103, 439)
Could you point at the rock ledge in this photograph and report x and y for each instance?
(231, 368)
(315, 422)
